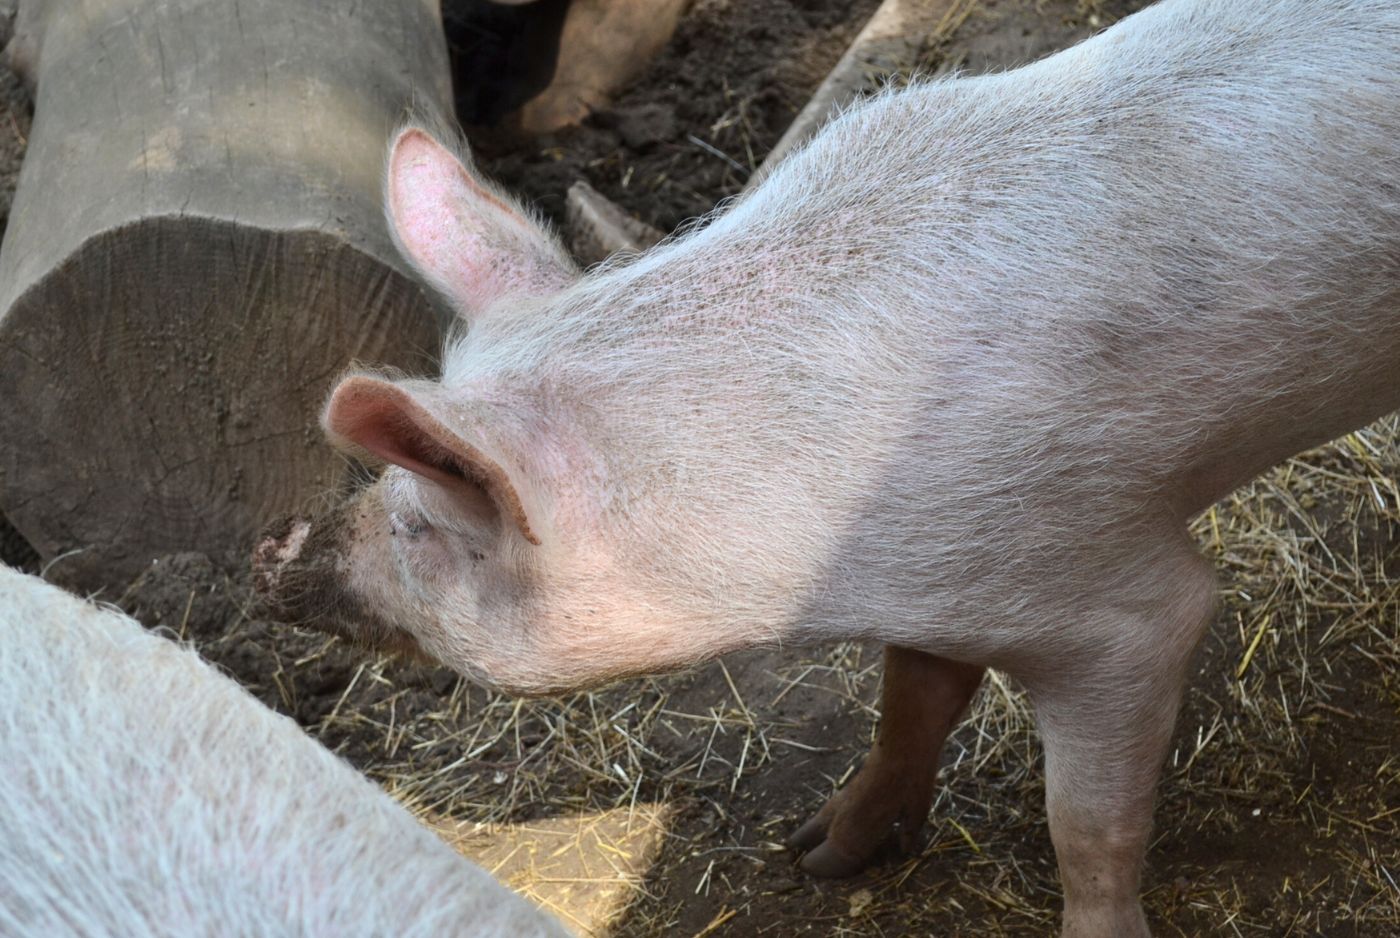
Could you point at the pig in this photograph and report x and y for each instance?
(603, 46)
(953, 378)
(537, 66)
(144, 793)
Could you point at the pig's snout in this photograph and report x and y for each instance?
(279, 546)
(300, 571)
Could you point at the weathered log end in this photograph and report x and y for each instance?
(158, 382)
(597, 228)
(196, 249)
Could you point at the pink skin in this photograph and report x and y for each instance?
(460, 251)
(475, 507)
(953, 378)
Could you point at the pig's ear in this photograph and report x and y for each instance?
(469, 240)
(398, 426)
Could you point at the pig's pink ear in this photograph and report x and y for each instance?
(469, 240)
(393, 424)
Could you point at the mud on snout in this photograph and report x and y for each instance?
(301, 571)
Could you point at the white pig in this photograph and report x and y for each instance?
(144, 793)
(953, 378)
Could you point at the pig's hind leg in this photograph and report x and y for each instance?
(885, 806)
(1106, 714)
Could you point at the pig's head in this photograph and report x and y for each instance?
(483, 544)
(439, 557)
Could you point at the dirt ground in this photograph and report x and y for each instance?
(658, 807)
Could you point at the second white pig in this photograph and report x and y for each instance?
(144, 793)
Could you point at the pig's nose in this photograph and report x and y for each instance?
(280, 546)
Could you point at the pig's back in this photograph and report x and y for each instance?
(1106, 288)
(1140, 245)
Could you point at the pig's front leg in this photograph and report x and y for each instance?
(887, 803)
(1106, 713)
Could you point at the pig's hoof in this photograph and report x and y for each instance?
(826, 857)
(878, 816)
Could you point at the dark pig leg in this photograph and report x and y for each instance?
(887, 802)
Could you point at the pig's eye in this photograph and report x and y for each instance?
(405, 525)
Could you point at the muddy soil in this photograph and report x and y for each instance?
(1278, 812)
